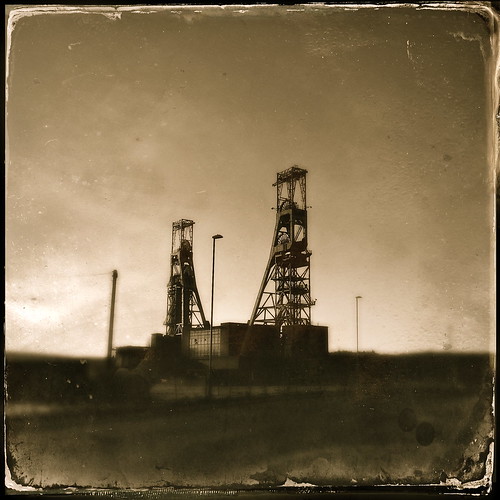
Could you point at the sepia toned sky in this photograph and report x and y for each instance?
(121, 121)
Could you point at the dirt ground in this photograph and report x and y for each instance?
(342, 436)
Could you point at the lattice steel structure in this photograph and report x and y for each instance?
(184, 309)
(284, 297)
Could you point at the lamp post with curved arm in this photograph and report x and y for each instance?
(209, 379)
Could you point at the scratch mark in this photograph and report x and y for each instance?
(460, 35)
(408, 53)
(64, 82)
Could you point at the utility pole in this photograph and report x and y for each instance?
(112, 316)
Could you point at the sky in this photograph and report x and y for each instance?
(122, 121)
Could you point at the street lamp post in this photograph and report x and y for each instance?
(357, 322)
(209, 380)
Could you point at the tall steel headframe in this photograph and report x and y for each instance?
(184, 309)
(284, 297)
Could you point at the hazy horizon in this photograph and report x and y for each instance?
(120, 121)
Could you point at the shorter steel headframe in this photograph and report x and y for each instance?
(184, 309)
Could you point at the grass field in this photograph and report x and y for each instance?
(365, 431)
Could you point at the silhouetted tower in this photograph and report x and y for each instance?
(184, 309)
(284, 296)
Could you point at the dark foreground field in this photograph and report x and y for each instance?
(366, 430)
